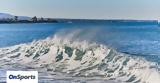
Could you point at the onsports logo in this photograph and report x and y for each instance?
(22, 77)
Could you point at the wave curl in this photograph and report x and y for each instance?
(80, 59)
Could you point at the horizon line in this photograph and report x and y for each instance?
(85, 18)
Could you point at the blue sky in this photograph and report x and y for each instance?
(92, 9)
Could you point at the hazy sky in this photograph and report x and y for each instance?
(95, 9)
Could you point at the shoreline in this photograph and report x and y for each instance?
(25, 22)
(109, 22)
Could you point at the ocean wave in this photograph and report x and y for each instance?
(79, 59)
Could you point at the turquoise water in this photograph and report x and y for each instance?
(137, 39)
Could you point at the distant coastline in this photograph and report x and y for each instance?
(97, 21)
(26, 21)
(109, 22)
(32, 20)
(10, 19)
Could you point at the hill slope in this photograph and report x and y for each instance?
(9, 16)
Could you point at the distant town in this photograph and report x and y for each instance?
(8, 18)
(32, 20)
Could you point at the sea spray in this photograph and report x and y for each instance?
(79, 59)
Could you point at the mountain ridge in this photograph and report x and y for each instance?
(10, 16)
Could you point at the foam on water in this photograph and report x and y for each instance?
(62, 58)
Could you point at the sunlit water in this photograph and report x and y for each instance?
(136, 40)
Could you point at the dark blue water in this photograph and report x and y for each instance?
(138, 40)
(12, 34)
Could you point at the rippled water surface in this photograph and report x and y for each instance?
(138, 40)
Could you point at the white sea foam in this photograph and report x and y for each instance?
(79, 59)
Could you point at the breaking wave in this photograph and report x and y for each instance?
(79, 59)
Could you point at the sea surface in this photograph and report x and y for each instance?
(138, 40)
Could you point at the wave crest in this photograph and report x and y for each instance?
(80, 59)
